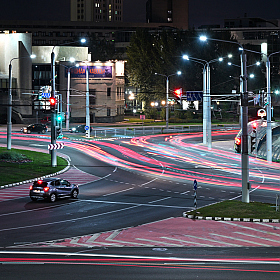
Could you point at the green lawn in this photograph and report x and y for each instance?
(238, 209)
(19, 165)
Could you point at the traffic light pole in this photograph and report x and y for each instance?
(53, 118)
(268, 115)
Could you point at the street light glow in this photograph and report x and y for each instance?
(186, 57)
(203, 38)
(83, 40)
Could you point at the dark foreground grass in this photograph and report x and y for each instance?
(238, 209)
(19, 165)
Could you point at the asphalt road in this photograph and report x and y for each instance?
(139, 181)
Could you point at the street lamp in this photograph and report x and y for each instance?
(167, 92)
(207, 137)
(268, 111)
(10, 101)
(68, 94)
(244, 107)
(53, 116)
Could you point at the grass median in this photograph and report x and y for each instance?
(238, 209)
(20, 165)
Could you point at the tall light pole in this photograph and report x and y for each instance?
(53, 115)
(10, 101)
(67, 121)
(268, 112)
(207, 133)
(87, 105)
(244, 125)
(167, 94)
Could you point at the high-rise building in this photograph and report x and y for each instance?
(175, 12)
(97, 10)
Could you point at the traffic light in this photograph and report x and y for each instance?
(52, 101)
(178, 94)
(59, 117)
(265, 101)
(58, 132)
(254, 136)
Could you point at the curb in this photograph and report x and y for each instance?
(186, 215)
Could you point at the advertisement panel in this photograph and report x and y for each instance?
(93, 72)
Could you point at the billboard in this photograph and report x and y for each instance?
(93, 72)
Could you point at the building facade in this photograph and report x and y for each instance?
(97, 10)
(15, 50)
(106, 85)
(175, 12)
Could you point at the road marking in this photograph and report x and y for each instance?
(136, 204)
(189, 242)
(118, 192)
(160, 242)
(211, 240)
(241, 240)
(255, 236)
(70, 220)
(254, 229)
(160, 199)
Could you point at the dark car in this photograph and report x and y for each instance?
(79, 128)
(35, 127)
(52, 189)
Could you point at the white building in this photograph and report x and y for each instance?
(106, 83)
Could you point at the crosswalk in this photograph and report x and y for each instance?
(73, 175)
(178, 232)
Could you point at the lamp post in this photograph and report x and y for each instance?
(10, 101)
(244, 125)
(53, 115)
(167, 93)
(207, 133)
(268, 112)
(68, 95)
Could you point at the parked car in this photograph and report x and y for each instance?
(52, 189)
(35, 127)
(45, 120)
(79, 128)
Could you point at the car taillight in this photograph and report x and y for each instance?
(237, 141)
(46, 189)
(31, 187)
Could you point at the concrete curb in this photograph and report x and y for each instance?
(186, 215)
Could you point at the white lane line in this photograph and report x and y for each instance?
(118, 192)
(160, 199)
(241, 240)
(148, 182)
(211, 240)
(211, 260)
(189, 242)
(70, 220)
(136, 204)
(258, 237)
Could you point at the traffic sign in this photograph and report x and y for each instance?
(86, 127)
(195, 185)
(55, 146)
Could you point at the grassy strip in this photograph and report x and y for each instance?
(24, 165)
(238, 209)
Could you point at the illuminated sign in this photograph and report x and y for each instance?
(93, 72)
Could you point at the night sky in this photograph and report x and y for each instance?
(200, 11)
